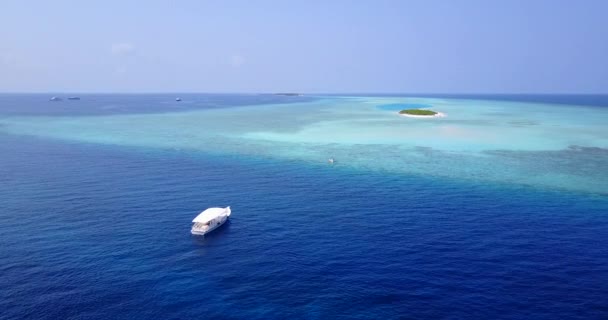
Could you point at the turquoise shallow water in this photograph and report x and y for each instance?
(543, 145)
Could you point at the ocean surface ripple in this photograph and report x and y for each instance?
(101, 231)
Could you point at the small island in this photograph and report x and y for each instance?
(420, 113)
(289, 94)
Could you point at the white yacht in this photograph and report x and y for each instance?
(210, 220)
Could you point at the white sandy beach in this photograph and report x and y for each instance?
(438, 115)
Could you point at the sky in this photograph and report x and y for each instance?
(365, 46)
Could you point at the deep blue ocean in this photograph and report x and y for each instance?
(92, 231)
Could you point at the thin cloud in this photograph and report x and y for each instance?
(120, 70)
(122, 49)
(236, 60)
(9, 59)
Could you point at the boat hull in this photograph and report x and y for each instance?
(201, 232)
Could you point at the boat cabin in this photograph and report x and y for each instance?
(209, 220)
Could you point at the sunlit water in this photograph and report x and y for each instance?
(497, 211)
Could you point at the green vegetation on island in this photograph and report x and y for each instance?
(418, 112)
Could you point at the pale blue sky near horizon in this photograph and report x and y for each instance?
(433, 46)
